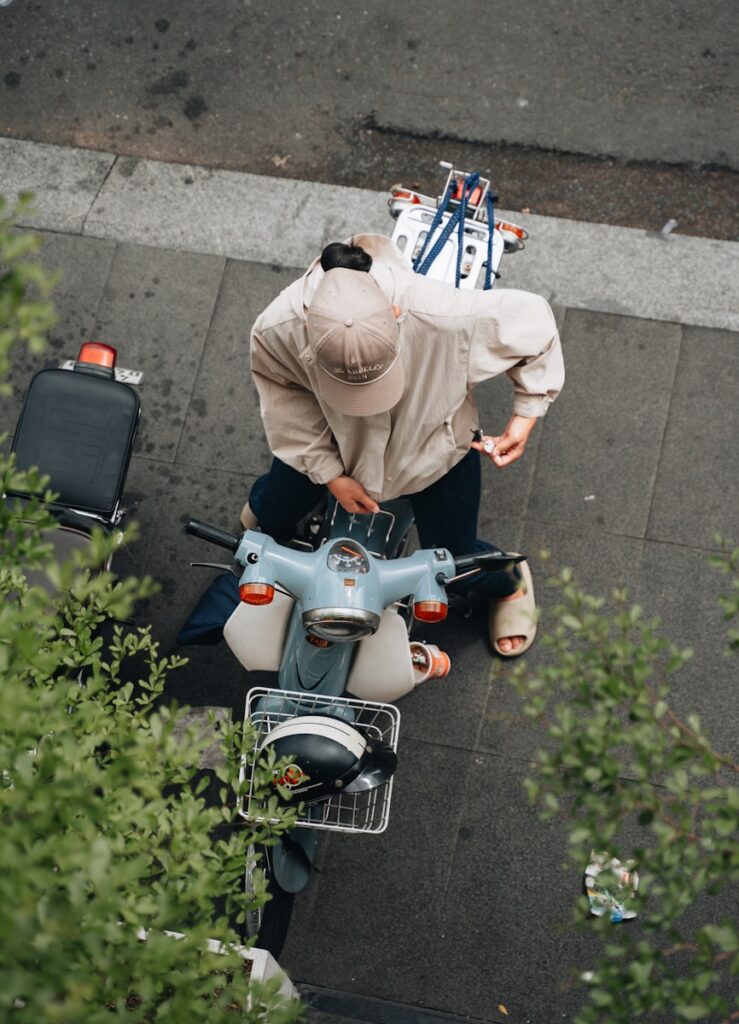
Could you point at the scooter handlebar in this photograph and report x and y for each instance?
(493, 561)
(213, 534)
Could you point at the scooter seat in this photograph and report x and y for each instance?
(78, 429)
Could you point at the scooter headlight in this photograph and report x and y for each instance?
(341, 625)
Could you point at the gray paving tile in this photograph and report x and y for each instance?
(510, 902)
(460, 906)
(697, 488)
(317, 1017)
(598, 456)
(626, 271)
(265, 219)
(600, 562)
(370, 922)
(164, 496)
(178, 494)
(679, 586)
(84, 266)
(63, 180)
(144, 498)
(223, 426)
(156, 307)
(449, 710)
(324, 1006)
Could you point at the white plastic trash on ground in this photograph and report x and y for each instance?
(614, 894)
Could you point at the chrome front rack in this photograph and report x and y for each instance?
(367, 525)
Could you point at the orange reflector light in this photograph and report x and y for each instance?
(256, 593)
(514, 229)
(474, 197)
(429, 611)
(406, 195)
(98, 354)
(318, 641)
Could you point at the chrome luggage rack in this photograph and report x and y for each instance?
(348, 812)
(414, 212)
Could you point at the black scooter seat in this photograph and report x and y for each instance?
(78, 428)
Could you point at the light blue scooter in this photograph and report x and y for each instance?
(333, 621)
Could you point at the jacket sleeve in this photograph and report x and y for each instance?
(520, 339)
(296, 429)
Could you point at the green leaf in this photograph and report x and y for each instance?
(724, 936)
(693, 1012)
(641, 971)
(601, 997)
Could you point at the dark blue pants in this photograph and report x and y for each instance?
(446, 513)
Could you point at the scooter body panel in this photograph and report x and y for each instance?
(314, 669)
(382, 669)
(256, 634)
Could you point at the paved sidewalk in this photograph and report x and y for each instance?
(249, 217)
(463, 903)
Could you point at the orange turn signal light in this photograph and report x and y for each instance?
(98, 354)
(256, 593)
(430, 611)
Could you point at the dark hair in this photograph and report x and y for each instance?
(348, 257)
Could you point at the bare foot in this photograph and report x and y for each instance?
(508, 644)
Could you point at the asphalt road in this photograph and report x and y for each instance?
(615, 112)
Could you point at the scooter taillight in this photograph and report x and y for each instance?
(256, 593)
(95, 353)
(430, 611)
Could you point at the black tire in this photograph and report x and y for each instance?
(270, 922)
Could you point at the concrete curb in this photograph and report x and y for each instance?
(284, 222)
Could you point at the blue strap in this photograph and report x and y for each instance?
(423, 262)
(434, 225)
(440, 242)
(470, 184)
(491, 231)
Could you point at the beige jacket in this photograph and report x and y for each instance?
(450, 341)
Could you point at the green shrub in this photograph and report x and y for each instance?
(26, 313)
(620, 760)
(104, 830)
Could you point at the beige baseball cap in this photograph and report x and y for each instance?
(354, 338)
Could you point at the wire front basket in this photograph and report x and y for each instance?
(367, 811)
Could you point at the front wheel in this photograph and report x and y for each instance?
(268, 923)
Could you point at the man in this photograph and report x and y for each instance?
(365, 373)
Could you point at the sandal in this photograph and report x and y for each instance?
(247, 519)
(514, 618)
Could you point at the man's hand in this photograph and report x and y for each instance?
(352, 496)
(510, 445)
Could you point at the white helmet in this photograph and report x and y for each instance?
(327, 757)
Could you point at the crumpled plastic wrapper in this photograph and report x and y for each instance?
(614, 894)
